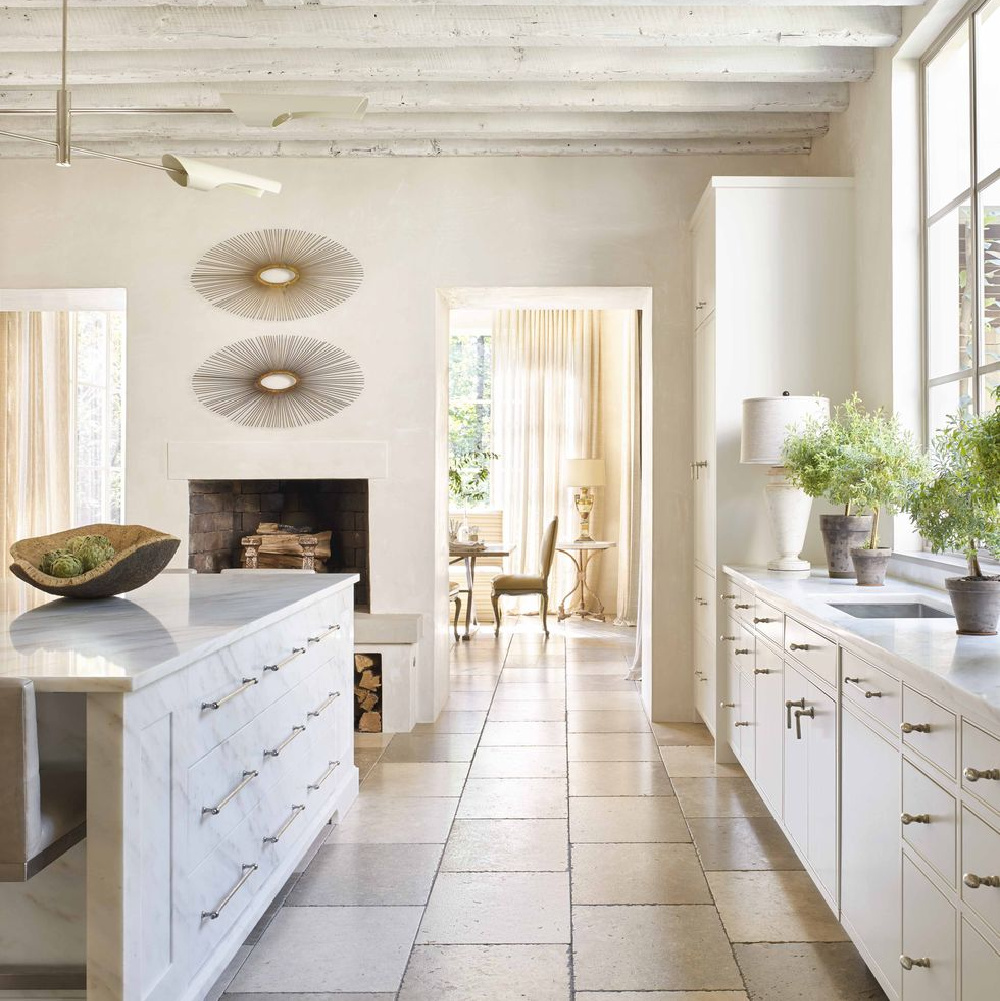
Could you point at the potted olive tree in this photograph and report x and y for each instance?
(959, 511)
(811, 456)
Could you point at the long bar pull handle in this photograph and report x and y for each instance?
(868, 694)
(218, 703)
(799, 713)
(249, 868)
(297, 651)
(248, 777)
(313, 786)
(275, 751)
(329, 631)
(789, 706)
(273, 839)
(323, 706)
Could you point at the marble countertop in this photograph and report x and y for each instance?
(124, 643)
(960, 671)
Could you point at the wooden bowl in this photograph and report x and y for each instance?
(140, 554)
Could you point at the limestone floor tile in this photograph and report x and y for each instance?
(697, 762)
(353, 875)
(767, 906)
(638, 874)
(618, 778)
(539, 710)
(311, 996)
(682, 733)
(389, 820)
(519, 762)
(742, 843)
(463, 701)
(599, 683)
(365, 758)
(545, 734)
(517, 691)
(577, 701)
(652, 949)
(613, 667)
(728, 797)
(833, 971)
(473, 682)
(614, 819)
(532, 676)
(474, 665)
(417, 778)
(594, 652)
(661, 996)
(507, 846)
(487, 973)
(513, 799)
(295, 954)
(483, 908)
(607, 721)
(612, 747)
(431, 747)
(456, 721)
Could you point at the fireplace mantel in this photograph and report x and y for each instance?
(284, 460)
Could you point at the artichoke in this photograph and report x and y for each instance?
(91, 550)
(49, 558)
(65, 565)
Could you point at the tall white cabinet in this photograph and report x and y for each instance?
(773, 264)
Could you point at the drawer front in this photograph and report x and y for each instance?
(981, 765)
(929, 730)
(928, 935)
(929, 821)
(981, 869)
(769, 622)
(980, 966)
(811, 650)
(872, 691)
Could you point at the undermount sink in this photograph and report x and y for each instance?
(890, 610)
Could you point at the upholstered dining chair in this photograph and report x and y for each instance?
(516, 585)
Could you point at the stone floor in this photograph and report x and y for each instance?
(542, 842)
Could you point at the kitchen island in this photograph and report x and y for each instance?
(216, 723)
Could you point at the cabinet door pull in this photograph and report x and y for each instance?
(728, 639)
(745, 608)
(275, 751)
(727, 705)
(761, 670)
(703, 678)
(249, 868)
(973, 882)
(907, 964)
(789, 706)
(297, 651)
(914, 818)
(329, 631)
(868, 694)
(728, 597)
(701, 305)
(810, 713)
(758, 620)
(248, 777)
(743, 723)
(742, 651)
(313, 786)
(799, 646)
(273, 839)
(975, 774)
(915, 727)
(218, 703)
(323, 706)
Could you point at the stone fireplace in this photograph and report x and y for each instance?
(222, 512)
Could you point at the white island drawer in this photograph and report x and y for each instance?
(929, 821)
(929, 730)
(812, 650)
(872, 690)
(981, 764)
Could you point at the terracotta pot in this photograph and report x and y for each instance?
(976, 604)
(841, 534)
(870, 565)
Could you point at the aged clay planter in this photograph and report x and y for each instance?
(870, 565)
(976, 603)
(841, 534)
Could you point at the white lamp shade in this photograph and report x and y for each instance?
(768, 419)
(203, 176)
(584, 473)
(271, 110)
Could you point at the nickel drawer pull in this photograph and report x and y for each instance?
(914, 818)
(799, 646)
(810, 713)
(728, 639)
(759, 621)
(727, 705)
(218, 703)
(789, 706)
(329, 631)
(728, 597)
(297, 651)
(907, 964)
(741, 651)
(868, 694)
(323, 706)
(761, 670)
(973, 882)
(744, 722)
(915, 727)
(745, 608)
(248, 777)
(313, 786)
(273, 839)
(249, 868)
(275, 751)
(975, 774)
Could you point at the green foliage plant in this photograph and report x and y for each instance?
(469, 477)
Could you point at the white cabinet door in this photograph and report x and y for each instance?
(796, 760)
(704, 679)
(704, 449)
(928, 934)
(822, 788)
(704, 267)
(871, 846)
(748, 714)
(769, 733)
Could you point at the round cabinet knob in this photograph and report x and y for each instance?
(799, 646)
(915, 727)
(975, 774)
(757, 620)
(907, 963)
(973, 882)
(914, 818)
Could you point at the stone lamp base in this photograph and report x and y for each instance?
(788, 508)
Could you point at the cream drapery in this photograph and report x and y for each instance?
(629, 493)
(547, 407)
(36, 433)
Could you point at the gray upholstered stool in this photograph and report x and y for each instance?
(43, 809)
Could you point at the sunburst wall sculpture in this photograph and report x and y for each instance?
(278, 381)
(277, 274)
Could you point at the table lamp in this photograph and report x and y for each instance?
(584, 474)
(766, 422)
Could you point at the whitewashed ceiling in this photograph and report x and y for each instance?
(468, 77)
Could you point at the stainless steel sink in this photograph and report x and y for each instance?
(890, 610)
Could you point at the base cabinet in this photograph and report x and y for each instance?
(929, 958)
(769, 728)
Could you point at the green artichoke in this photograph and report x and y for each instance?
(48, 558)
(66, 565)
(91, 550)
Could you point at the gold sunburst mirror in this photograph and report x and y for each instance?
(277, 274)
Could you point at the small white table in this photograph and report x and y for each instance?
(585, 551)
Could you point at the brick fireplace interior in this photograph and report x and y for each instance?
(222, 512)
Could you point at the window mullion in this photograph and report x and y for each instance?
(977, 271)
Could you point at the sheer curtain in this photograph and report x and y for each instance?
(546, 409)
(630, 493)
(36, 432)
